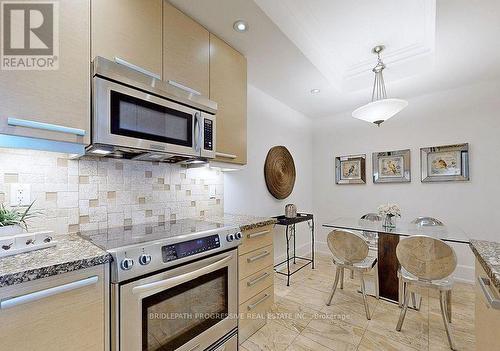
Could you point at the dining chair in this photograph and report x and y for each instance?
(427, 262)
(370, 237)
(424, 221)
(427, 222)
(350, 251)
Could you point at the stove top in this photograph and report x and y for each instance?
(143, 249)
(119, 237)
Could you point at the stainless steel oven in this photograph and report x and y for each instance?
(145, 118)
(186, 308)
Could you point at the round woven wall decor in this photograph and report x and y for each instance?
(279, 172)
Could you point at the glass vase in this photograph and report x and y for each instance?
(389, 222)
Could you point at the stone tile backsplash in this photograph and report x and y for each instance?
(92, 193)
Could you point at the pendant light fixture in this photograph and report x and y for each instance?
(381, 108)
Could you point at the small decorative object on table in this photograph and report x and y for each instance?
(389, 212)
(290, 211)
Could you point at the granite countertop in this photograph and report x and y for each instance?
(488, 254)
(245, 222)
(71, 253)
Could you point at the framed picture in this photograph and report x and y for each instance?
(445, 163)
(350, 169)
(391, 166)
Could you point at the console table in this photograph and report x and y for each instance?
(290, 232)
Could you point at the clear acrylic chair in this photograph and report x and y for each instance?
(427, 262)
(371, 237)
(350, 251)
(427, 222)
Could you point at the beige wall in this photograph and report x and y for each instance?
(91, 193)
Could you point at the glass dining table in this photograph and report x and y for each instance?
(388, 239)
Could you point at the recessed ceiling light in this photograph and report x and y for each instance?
(240, 26)
(315, 91)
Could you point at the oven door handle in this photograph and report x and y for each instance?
(171, 282)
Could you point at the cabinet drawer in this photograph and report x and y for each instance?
(255, 239)
(255, 261)
(487, 319)
(63, 312)
(253, 313)
(255, 283)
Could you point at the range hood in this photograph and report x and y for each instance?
(136, 115)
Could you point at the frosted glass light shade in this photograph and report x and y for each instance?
(380, 110)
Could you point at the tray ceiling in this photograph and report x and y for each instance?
(337, 35)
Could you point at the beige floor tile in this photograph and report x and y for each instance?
(350, 300)
(415, 331)
(301, 343)
(308, 297)
(463, 334)
(292, 315)
(272, 337)
(319, 281)
(333, 333)
(372, 341)
(347, 313)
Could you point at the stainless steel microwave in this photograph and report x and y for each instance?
(137, 116)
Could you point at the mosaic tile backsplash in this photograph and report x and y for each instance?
(92, 193)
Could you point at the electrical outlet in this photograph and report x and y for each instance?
(20, 194)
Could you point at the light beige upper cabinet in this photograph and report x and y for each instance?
(186, 52)
(53, 104)
(63, 312)
(228, 87)
(129, 30)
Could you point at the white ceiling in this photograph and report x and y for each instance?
(293, 46)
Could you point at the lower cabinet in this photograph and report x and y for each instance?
(63, 312)
(256, 280)
(487, 318)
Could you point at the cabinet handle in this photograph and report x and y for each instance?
(136, 68)
(258, 302)
(38, 295)
(221, 154)
(254, 235)
(183, 87)
(258, 257)
(494, 303)
(11, 121)
(258, 279)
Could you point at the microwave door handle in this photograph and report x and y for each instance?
(197, 132)
(171, 282)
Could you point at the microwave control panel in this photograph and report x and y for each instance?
(208, 132)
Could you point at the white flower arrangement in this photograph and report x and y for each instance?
(391, 210)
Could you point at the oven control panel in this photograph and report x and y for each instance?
(189, 248)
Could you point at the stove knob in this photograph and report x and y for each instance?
(230, 237)
(145, 259)
(238, 236)
(127, 264)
